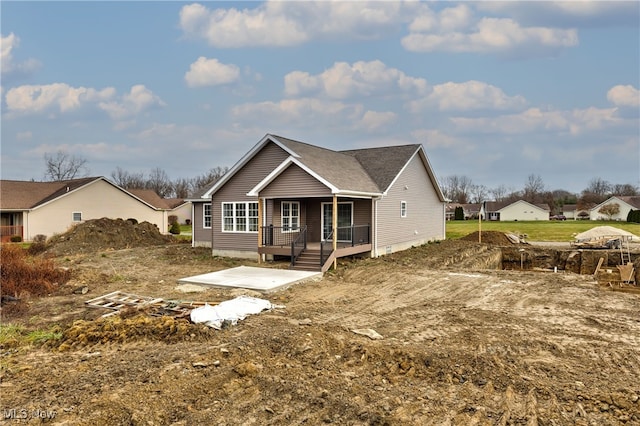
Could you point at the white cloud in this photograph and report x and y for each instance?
(314, 113)
(434, 138)
(139, 99)
(470, 95)
(621, 95)
(456, 30)
(60, 97)
(262, 26)
(343, 81)
(7, 64)
(374, 120)
(289, 23)
(535, 120)
(211, 72)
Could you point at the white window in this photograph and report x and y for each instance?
(240, 217)
(290, 214)
(77, 216)
(206, 216)
(403, 209)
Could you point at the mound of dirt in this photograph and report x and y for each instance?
(490, 237)
(121, 330)
(106, 234)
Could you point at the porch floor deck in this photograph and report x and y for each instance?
(265, 280)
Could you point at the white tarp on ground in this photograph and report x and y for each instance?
(606, 231)
(232, 310)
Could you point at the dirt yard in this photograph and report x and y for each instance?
(461, 345)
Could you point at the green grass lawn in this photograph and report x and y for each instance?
(536, 230)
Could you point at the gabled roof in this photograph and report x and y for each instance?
(150, 197)
(25, 195)
(632, 200)
(495, 206)
(28, 195)
(362, 171)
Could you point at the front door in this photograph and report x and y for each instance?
(345, 221)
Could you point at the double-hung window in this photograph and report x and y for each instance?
(290, 213)
(240, 217)
(403, 209)
(206, 216)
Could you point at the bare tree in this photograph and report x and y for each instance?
(181, 188)
(533, 189)
(128, 180)
(599, 186)
(479, 193)
(625, 189)
(499, 193)
(159, 182)
(64, 166)
(208, 178)
(457, 188)
(596, 192)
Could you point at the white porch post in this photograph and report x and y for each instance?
(259, 229)
(334, 223)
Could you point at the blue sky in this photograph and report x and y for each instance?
(495, 91)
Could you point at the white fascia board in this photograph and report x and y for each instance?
(244, 160)
(281, 168)
(360, 194)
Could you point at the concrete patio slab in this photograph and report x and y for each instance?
(266, 280)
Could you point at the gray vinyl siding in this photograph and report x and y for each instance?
(201, 235)
(295, 182)
(425, 212)
(235, 190)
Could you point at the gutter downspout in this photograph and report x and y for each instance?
(193, 215)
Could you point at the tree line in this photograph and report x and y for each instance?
(458, 189)
(64, 166)
(461, 189)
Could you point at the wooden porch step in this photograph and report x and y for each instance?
(309, 260)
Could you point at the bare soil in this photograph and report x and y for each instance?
(462, 345)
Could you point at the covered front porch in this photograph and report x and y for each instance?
(315, 232)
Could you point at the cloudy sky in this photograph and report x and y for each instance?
(495, 91)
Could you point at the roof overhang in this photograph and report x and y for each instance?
(290, 161)
(244, 160)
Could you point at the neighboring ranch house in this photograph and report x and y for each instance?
(626, 203)
(289, 198)
(469, 210)
(180, 208)
(47, 208)
(570, 211)
(514, 211)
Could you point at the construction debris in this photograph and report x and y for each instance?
(229, 311)
(118, 301)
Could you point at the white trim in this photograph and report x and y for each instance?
(203, 217)
(234, 217)
(281, 168)
(244, 160)
(403, 209)
(291, 228)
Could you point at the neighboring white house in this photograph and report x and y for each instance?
(517, 210)
(47, 208)
(626, 204)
